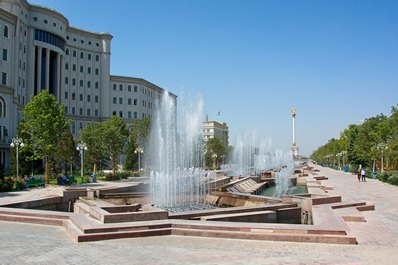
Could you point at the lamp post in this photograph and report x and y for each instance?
(139, 151)
(382, 147)
(17, 142)
(81, 147)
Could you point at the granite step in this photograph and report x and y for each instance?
(309, 238)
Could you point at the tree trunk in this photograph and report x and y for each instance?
(47, 179)
(95, 169)
(113, 165)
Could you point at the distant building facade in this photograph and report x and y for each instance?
(40, 50)
(213, 129)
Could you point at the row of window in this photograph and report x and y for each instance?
(73, 97)
(81, 69)
(48, 37)
(121, 88)
(81, 112)
(81, 83)
(129, 114)
(89, 55)
(46, 22)
(129, 101)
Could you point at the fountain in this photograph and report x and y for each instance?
(176, 157)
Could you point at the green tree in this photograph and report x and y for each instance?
(215, 151)
(45, 123)
(139, 131)
(94, 138)
(115, 134)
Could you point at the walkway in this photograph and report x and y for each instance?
(37, 244)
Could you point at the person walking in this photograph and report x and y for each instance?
(363, 174)
(359, 173)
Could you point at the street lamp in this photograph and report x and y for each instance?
(17, 142)
(139, 151)
(382, 147)
(81, 147)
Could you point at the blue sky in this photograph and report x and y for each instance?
(335, 61)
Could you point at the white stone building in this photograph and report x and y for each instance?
(213, 129)
(40, 50)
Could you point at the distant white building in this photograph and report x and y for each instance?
(213, 129)
(40, 50)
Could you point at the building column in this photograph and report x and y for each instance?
(58, 78)
(38, 65)
(47, 69)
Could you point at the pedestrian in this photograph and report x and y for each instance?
(363, 174)
(359, 173)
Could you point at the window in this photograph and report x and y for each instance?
(88, 98)
(4, 78)
(89, 56)
(81, 83)
(74, 53)
(96, 99)
(96, 85)
(89, 70)
(96, 113)
(73, 96)
(97, 58)
(81, 125)
(88, 112)
(81, 55)
(121, 114)
(73, 127)
(120, 100)
(114, 100)
(66, 109)
(81, 69)
(45, 21)
(81, 111)
(114, 113)
(121, 87)
(96, 71)
(66, 94)
(88, 84)
(5, 55)
(135, 88)
(5, 31)
(135, 115)
(67, 51)
(114, 87)
(81, 97)
(74, 82)
(73, 111)
(74, 67)
(2, 107)
(66, 66)
(135, 102)
(129, 114)
(129, 101)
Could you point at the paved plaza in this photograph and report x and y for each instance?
(38, 244)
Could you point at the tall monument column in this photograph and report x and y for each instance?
(294, 149)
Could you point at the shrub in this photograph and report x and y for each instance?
(6, 184)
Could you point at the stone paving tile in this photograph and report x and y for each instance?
(38, 244)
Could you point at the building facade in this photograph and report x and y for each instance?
(213, 129)
(40, 50)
